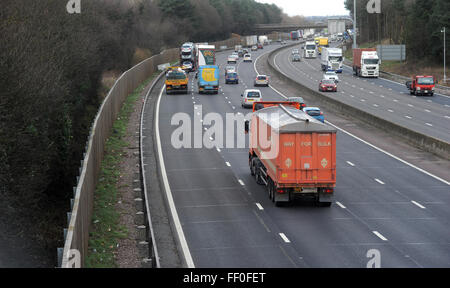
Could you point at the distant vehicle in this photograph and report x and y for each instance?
(254, 48)
(229, 69)
(310, 49)
(247, 58)
(330, 75)
(260, 46)
(241, 53)
(237, 48)
(249, 97)
(206, 55)
(327, 86)
(176, 81)
(187, 66)
(232, 59)
(295, 51)
(332, 59)
(232, 78)
(249, 41)
(296, 58)
(323, 42)
(315, 112)
(295, 35)
(302, 161)
(208, 79)
(299, 100)
(261, 80)
(283, 42)
(263, 40)
(245, 51)
(366, 62)
(421, 85)
(187, 52)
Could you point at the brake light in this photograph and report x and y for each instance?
(281, 191)
(328, 191)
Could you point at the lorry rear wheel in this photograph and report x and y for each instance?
(252, 171)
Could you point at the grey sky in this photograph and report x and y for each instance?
(310, 7)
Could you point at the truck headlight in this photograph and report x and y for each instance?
(418, 88)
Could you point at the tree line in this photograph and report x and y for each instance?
(51, 63)
(415, 23)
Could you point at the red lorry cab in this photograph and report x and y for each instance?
(293, 154)
(421, 85)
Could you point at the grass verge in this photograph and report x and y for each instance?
(105, 228)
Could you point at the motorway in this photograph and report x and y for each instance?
(381, 202)
(380, 97)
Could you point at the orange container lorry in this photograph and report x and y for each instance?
(293, 154)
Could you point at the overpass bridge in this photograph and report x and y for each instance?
(268, 28)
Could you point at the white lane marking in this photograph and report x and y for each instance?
(350, 163)
(410, 105)
(241, 182)
(392, 111)
(218, 150)
(363, 100)
(353, 96)
(390, 154)
(181, 238)
(228, 164)
(375, 105)
(340, 205)
(259, 206)
(395, 100)
(429, 124)
(285, 239)
(409, 117)
(418, 205)
(379, 181)
(371, 92)
(448, 117)
(382, 96)
(428, 111)
(380, 236)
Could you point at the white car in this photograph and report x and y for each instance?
(331, 75)
(232, 59)
(295, 51)
(247, 58)
(249, 97)
(254, 48)
(261, 80)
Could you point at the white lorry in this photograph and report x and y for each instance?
(249, 41)
(332, 59)
(310, 49)
(366, 62)
(263, 40)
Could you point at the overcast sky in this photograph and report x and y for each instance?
(310, 7)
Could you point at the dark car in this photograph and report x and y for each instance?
(296, 58)
(260, 46)
(327, 86)
(232, 78)
(298, 100)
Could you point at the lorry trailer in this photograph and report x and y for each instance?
(298, 160)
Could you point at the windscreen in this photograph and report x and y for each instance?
(314, 113)
(426, 81)
(310, 47)
(328, 82)
(371, 61)
(232, 75)
(176, 76)
(253, 95)
(335, 58)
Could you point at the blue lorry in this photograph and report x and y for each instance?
(208, 79)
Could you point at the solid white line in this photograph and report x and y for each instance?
(419, 205)
(173, 210)
(389, 154)
(228, 164)
(350, 163)
(259, 206)
(379, 181)
(285, 239)
(241, 182)
(340, 205)
(380, 236)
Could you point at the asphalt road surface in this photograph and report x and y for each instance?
(381, 203)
